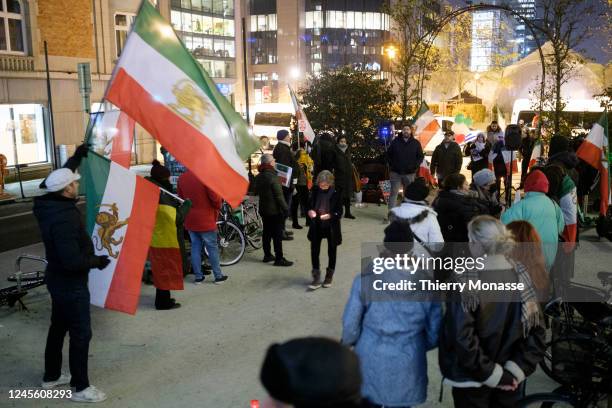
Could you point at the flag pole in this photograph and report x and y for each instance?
(179, 199)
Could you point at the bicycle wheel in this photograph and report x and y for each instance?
(253, 225)
(546, 400)
(231, 243)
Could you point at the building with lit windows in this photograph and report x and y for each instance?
(525, 40)
(290, 39)
(493, 40)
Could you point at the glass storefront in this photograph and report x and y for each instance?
(23, 138)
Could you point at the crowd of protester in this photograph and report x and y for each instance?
(486, 349)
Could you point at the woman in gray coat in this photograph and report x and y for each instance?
(391, 337)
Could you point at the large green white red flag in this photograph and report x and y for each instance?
(162, 87)
(426, 125)
(594, 151)
(112, 136)
(303, 123)
(121, 213)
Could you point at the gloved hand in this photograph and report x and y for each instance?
(103, 261)
(82, 150)
(507, 381)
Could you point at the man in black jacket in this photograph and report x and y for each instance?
(404, 155)
(283, 155)
(70, 256)
(447, 157)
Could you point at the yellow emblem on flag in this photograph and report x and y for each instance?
(108, 224)
(189, 103)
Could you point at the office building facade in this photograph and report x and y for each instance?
(493, 40)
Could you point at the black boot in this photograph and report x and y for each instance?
(316, 280)
(329, 275)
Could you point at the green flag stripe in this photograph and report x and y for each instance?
(94, 173)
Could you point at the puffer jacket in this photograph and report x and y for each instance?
(545, 216)
(68, 247)
(270, 192)
(475, 346)
(391, 339)
(428, 229)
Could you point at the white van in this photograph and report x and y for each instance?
(269, 118)
(579, 113)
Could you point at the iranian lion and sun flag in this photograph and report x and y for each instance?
(160, 86)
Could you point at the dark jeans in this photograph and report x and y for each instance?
(69, 313)
(485, 397)
(288, 194)
(315, 251)
(300, 199)
(273, 231)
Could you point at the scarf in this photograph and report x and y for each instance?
(530, 308)
(343, 149)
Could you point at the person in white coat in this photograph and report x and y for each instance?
(422, 218)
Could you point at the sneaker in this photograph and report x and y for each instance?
(89, 394)
(282, 262)
(198, 281)
(268, 258)
(220, 280)
(297, 227)
(62, 380)
(329, 276)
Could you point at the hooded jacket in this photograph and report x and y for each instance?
(68, 247)
(428, 229)
(545, 216)
(455, 211)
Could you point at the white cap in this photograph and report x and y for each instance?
(60, 178)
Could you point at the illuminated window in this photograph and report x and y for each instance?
(12, 27)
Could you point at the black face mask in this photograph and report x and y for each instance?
(493, 189)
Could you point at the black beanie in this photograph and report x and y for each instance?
(312, 372)
(417, 190)
(398, 237)
(558, 144)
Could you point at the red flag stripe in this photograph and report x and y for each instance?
(428, 133)
(186, 143)
(122, 143)
(589, 153)
(124, 289)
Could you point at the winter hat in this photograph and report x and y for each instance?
(159, 172)
(312, 372)
(282, 134)
(536, 181)
(558, 144)
(417, 190)
(484, 177)
(398, 237)
(60, 179)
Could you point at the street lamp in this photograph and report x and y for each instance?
(295, 72)
(391, 52)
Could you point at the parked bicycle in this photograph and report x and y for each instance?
(236, 228)
(25, 281)
(579, 353)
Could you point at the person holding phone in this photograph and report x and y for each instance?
(325, 212)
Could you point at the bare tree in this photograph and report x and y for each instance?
(412, 22)
(565, 25)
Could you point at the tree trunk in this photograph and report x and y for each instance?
(558, 107)
(405, 77)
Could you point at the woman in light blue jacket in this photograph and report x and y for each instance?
(391, 336)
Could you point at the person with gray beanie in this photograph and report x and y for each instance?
(311, 372)
(483, 183)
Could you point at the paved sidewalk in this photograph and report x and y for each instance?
(209, 352)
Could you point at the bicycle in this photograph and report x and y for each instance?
(236, 228)
(579, 355)
(25, 281)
